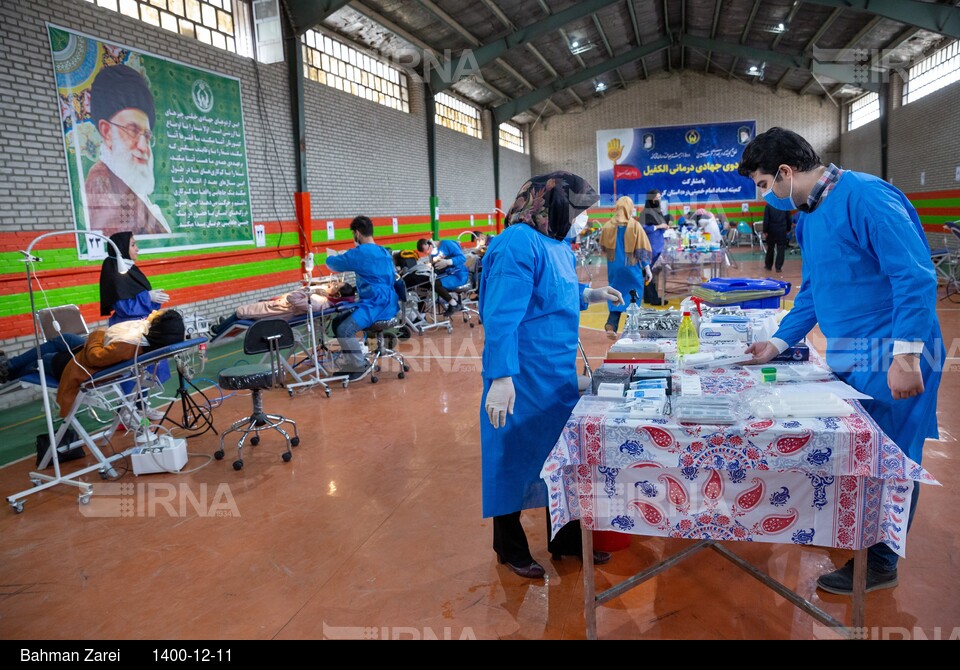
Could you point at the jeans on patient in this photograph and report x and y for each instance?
(25, 363)
(345, 327)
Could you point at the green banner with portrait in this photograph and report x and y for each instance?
(153, 146)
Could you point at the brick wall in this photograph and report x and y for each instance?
(860, 148)
(361, 157)
(568, 142)
(465, 170)
(514, 171)
(364, 158)
(922, 139)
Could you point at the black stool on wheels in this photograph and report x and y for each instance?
(270, 337)
(382, 351)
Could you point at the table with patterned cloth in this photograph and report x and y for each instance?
(679, 271)
(833, 482)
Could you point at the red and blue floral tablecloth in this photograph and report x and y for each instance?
(834, 482)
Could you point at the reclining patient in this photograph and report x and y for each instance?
(118, 343)
(286, 306)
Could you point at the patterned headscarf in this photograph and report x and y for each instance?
(550, 203)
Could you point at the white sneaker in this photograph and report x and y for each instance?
(153, 414)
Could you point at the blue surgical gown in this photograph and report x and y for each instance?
(375, 272)
(623, 276)
(530, 304)
(456, 275)
(867, 281)
(139, 306)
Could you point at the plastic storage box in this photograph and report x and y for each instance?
(745, 284)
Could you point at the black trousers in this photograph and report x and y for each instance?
(650, 294)
(780, 244)
(510, 541)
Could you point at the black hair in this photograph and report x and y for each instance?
(423, 243)
(362, 225)
(168, 328)
(776, 147)
(653, 195)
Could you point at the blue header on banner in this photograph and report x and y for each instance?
(687, 164)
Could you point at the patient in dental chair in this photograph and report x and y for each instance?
(116, 344)
(288, 305)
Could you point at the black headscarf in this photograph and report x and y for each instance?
(115, 286)
(551, 202)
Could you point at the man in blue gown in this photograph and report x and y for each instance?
(869, 284)
(375, 272)
(530, 303)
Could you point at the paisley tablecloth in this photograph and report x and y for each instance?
(835, 482)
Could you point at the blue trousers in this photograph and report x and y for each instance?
(345, 327)
(25, 363)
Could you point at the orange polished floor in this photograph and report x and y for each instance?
(374, 530)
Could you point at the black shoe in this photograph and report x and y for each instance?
(531, 570)
(354, 375)
(451, 309)
(840, 581)
(779, 270)
(768, 268)
(599, 557)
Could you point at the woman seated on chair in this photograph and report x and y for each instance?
(288, 305)
(107, 347)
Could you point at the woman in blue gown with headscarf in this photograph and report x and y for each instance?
(530, 302)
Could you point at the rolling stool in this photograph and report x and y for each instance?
(467, 307)
(269, 336)
(382, 351)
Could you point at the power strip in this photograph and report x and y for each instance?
(165, 453)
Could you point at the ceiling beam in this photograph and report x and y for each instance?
(786, 24)
(744, 34)
(606, 44)
(450, 21)
(937, 18)
(422, 47)
(666, 28)
(492, 6)
(878, 56)
(509, 25)
(306, 14)
(821, 31)
(683, 29)
(636, 34)
(510, 109)
(718, 4)
(467, 35)
(445, 75)
(843, 53)
(844, 72)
